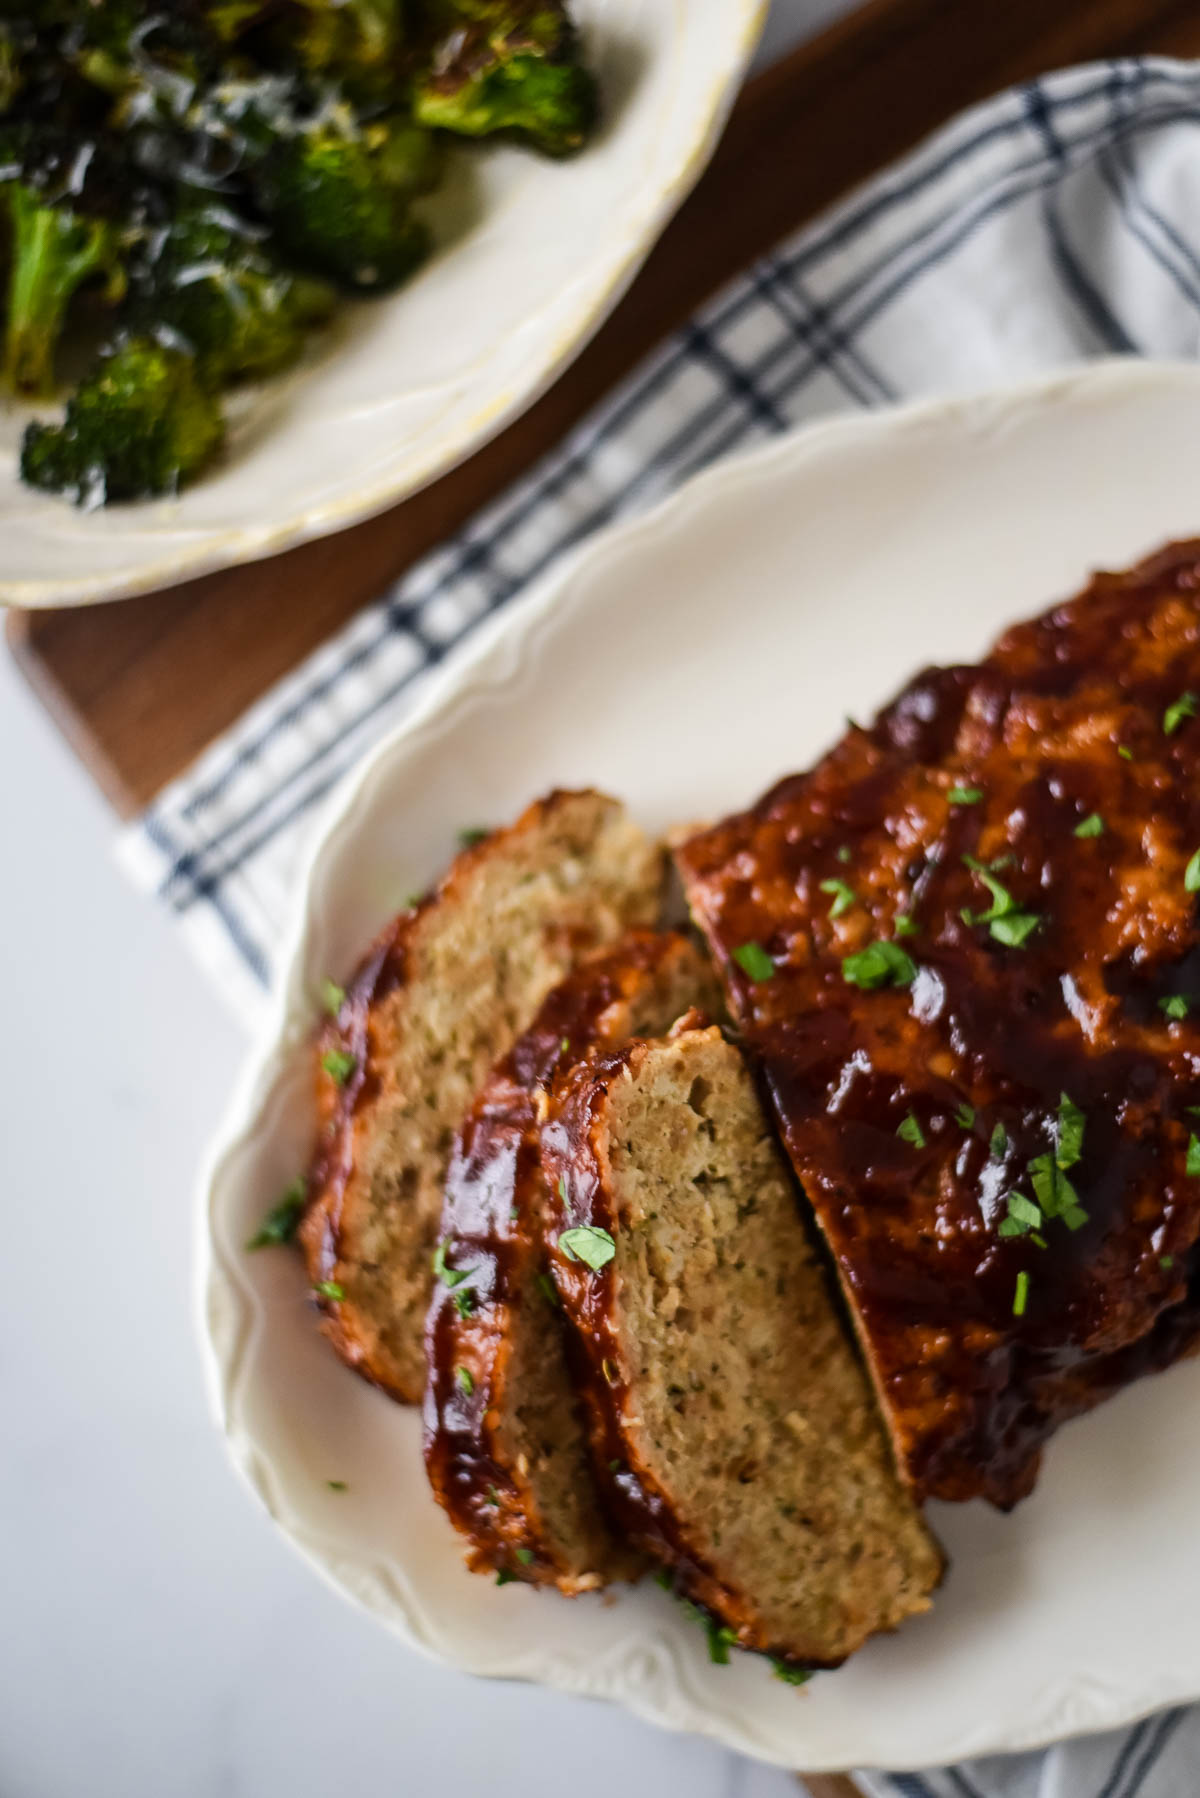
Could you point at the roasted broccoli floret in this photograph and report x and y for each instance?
(354, 41)
(210, 277)
(337, 195)
(154, 57)
(143, 422)
(358, 42)
(54, 250)
(510, 68)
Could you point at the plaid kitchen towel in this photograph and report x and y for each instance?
(1057, 222)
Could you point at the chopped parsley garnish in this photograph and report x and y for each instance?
(1091, 826)
(1184, 707)
(965, 1115)
(879, 964)
(1056, 1195)
(844, 852)
(844, 896)
(449, 1276)
(1175, 1007)
(339, 1064)
(336, 1485)
(564, 1048)
(525, 1556)
(1166, 1262)
(546, 1287)
(465, 1380)
(1021, 1295)
(468, 838)
(1023, 1216)
(333, 997)
(329, 1289)
(590, 1244)
(910, 1131)
(1193, 1158)
(1013, 929)
(720, 1637)
(664, 1579)
(1191, 875)
(280, 1223)
(1008, 922)
(562, 1188)
(791, 1676)
(753, 960)
(1068, 1134)
(1126, 755)
(965, 795)
(504, 1577)
(906, 926)
(493, 1497)
(464, 1302)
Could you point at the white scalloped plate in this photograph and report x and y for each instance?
(534, 255)
(684, 660)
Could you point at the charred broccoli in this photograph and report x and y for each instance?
(357, 42)
(209, 277)
(510, 68)
(62, 237)
(141, 423)
(337, 195)
(211, 172)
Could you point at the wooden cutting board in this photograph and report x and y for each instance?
(142, 686)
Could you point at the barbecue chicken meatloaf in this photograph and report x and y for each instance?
(503, 1443)
(965, 955)
(445, 990)
(731, 1421)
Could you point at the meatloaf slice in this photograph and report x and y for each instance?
(730, 1420)
(445, 990)
(503, 1440)
(964, 950)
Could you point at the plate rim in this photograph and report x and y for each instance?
(472, 667)
(247, 544)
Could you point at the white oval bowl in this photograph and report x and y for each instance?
(684, 660)
(534, 255)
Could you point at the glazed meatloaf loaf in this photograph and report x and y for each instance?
(503, 1443)
(731, 1422)
(965, 953)
(446, 990)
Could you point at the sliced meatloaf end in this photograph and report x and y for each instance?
(729, 1415)
(503, 1437)
(445, 991)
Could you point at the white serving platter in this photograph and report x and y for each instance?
(533, 255)
(683, 661)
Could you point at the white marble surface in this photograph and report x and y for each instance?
(158, 1640)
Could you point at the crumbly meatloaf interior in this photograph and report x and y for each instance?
(506, 1457)
(750, 1454)
(444, 993)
